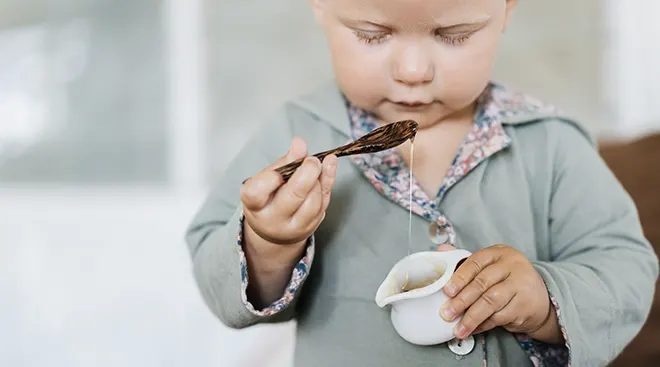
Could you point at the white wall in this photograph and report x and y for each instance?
(102, 278)
(633, 65)
(101, 168)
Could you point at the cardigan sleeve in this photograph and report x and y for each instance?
(214, 237)
(602, 271)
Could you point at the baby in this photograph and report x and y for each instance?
(560, 272)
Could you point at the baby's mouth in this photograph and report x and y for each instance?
(412, 105)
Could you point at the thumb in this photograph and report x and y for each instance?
(445, 247)
(297, 150)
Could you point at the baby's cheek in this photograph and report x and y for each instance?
(363, 90)
(361, 75)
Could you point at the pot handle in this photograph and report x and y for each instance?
(455, 257)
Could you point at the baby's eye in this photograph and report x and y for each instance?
(454, 39)
(370, 38)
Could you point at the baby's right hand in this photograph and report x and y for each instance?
(288, 213)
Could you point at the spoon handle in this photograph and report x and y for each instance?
(382, 138)
(289, 169)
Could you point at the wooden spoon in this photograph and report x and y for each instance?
(382, 138)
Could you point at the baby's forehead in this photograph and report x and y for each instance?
(406, 11)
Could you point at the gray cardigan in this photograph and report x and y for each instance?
(548, 194)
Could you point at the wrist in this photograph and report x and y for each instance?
(267, 256)
(269, 267)
(549, 331)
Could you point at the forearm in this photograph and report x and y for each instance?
(269, 267)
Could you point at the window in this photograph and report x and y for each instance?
(83, 97)
(633, 59)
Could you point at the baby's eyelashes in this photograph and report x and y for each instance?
(370, 37)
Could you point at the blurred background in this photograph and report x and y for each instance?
(116, 117)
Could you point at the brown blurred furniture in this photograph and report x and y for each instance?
(637, 166)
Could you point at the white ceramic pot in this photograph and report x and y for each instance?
(415, 310)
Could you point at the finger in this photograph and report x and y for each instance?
(290, 196)
(328, 175)
(508, 316)
(489, 324)
(487, 278)
(491, 302)
(472, 266)
(297, 150)
(445, 247)
(310, 211)
(258, 190)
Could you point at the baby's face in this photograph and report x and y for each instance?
(426, 60)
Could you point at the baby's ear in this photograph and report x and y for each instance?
(510, 5)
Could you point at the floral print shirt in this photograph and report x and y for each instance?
(390, 176)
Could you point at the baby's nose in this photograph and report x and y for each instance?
(414, 66)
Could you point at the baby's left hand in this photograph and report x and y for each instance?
(498, 286)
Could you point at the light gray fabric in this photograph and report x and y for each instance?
(549, 195)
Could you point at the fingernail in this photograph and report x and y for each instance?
(447, 313)
(460, 330)
(313, 160)
(450, 289)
